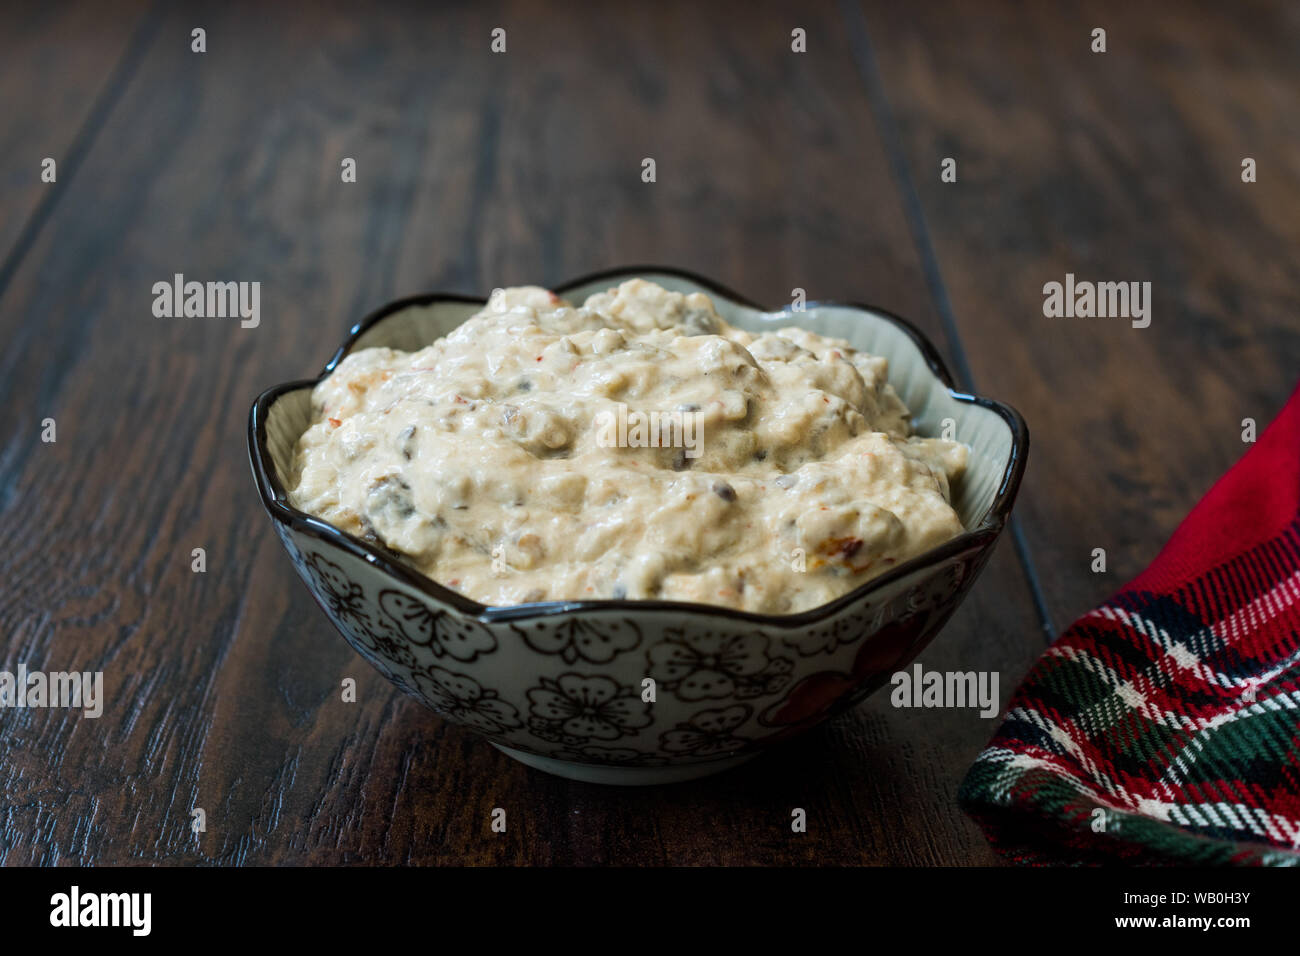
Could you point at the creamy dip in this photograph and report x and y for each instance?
(636, 446)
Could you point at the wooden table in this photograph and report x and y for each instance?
(775, 170)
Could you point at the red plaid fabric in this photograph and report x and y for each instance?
(1164, 726)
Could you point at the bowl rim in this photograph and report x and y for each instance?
(276, 500)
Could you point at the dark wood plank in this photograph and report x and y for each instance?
(58, 60)
(1117, 166)
(474, 170)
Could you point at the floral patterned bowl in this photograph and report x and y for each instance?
(635, 692)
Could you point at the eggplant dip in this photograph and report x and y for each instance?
(636, 446)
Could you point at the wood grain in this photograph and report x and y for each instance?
(1123, 165)
(775, 171)
(63, 67)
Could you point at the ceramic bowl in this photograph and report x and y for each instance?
(563, 686)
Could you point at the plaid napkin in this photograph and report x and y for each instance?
(1164, 726)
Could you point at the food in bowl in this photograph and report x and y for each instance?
(636, 446)
(563, 686)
